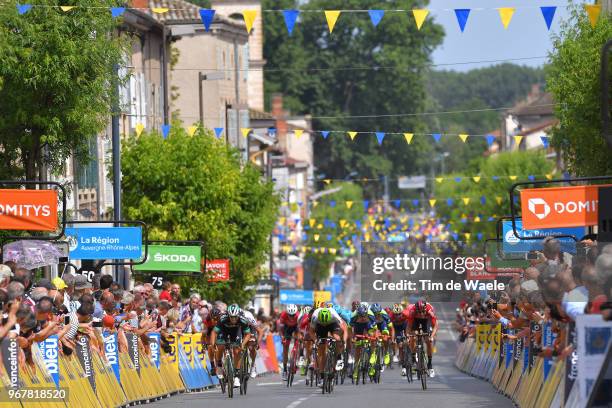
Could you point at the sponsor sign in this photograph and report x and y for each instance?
(548, 338)
(28, 210)
(594, 338)
(133, 351)
(559, 207)
(411, 183)
(322, 296)
(571, 361)
(154, 346)
(513, 244)
(83, 352)
(172, 258)
(49, 350)
(9, 350)
(218, 270)
(265, 287)
(111, 351)
(298, 297)
(105, 242)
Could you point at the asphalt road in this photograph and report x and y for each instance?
(450, 388)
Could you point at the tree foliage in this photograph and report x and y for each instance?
(336, 88)
(195, 188)
(54, 82)
(573, 79)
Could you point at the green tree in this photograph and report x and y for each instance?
(334, 89)
(54, 82)
(573, 79)
(195, 188)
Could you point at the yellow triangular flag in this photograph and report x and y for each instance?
(281, 220)
(439, 179)
(593, 11)
(320, 226)
(314, 204)
(159, 10)
(476, 179)
(467, 236)
(312, 222)
(139, 128)
(342, 223)
(66, 8)
(352, 135)
(419, 16)
(466, 200)
(191, 130)
(366, 237)
(499, 200)
(408, 137)
(284, 204)
(372, 222)
(517, 140)
(298, 133)
(506, 13)
(331, 16)
(245, 132)
(327, 181)
(477, 219)
(432, 202)
(249, 19)
(549, 176)
(463, 137)
(349, 204)
(316, 237)
(512, 177)
(332, 251)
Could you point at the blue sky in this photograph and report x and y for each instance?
(485, 38)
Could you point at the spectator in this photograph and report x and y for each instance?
(5, 276)
(165, 293)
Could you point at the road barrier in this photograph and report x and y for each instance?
(101, 377)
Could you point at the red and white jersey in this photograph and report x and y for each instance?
(430, 313)
(287, 320)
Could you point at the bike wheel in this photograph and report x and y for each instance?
(422, 368)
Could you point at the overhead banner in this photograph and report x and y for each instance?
(559, 207)
(298, 297)
(105, 242)
(265, 287)
(49, 349)
(218, 270)
(411, 183)
(172, 258)
(28, 210)
(513, 244)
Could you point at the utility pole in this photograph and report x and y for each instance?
(120, 275)
(271, 256)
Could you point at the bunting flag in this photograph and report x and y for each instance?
(380, 136)
(249, 19)
(513, 178)
(245, 132)
(593, 11)
(332, 17)
(207, 15)
(325, 133)
(467, 236)
(23, 8)
(450, 201)
(298, 133)
(66, 8)
(290, 19)
(466, 200)
(432, 202)
(191, 130)
(352, 135)
(349, 204)
(544, 140)
(160, 10)
(117, 11)
(490, 140)
(517, 140)
(408, 137)
(419, 17)
(476, 179)
(505, 14)
(463, 137)
(165, 131)
(458, 179)
(549, 14)
(376, 16)
(139, 128)
(439, 179)
(312, 222)
(462, 17)
(316, 237)
(549, 176)
(437, 137)
(218, 132)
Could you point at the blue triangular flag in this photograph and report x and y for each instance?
(437, 137)
(333, 225)
(165, 131)
(358, 224)
(23, 8)
(415, 202)
(365, 204)
(326, 223)
(397, 203)
(332, 203)
(325, 133)
(376, 16)
(531, 177)
(380, 136)
(462, 17)
(290, 18)
(207, 17)
(300, 203)
(218, 132)
(455, 236)
(479, 236)
(483, 200)
(548, 13)
(297, 221)
(464, 220)
(490, 219)
(490, 140)
(449, 201)
(458, 179)
(495, 178)
(117, 11)
(329, 237)
(544, 140)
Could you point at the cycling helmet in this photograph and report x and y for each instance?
(233, 310)
(306, 309)
(397, 308)
(324, 316)
(216, 312)
(362, 311)
(292, 309)
(329, 305)
(376, 308)
(421, 306)
(355, 305)
(366, 304)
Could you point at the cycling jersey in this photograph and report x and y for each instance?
(234, 331)
(362, 324)
(422, 320)
(253, 324)
(344, 314)
(287, 320)
(383, 322)
(324, 329)
(400, 322)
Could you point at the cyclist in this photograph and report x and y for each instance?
(399, 318)
(288, 324)
(232, 327)
(254, 341)
(323, 323)
(422, 316)
(208, 327)
(346, 316)
(362, 323)
(384, 326)
(304, 334)
(355, 305)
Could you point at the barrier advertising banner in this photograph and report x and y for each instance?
(558, 207)
(105, 242)
(172, 258)
(28, 210)
(133, 351)
(83, 352)
(49, 349)
(218, 270)
(9, 350)
(512, 244)
(154, 345)
(594, 337)
(111, 351)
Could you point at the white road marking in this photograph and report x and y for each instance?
(277, 383)
(297, 402)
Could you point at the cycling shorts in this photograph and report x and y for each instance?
(288, 331)
(327, 330)
(422, 324)
(360, 328)
(234, 335)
